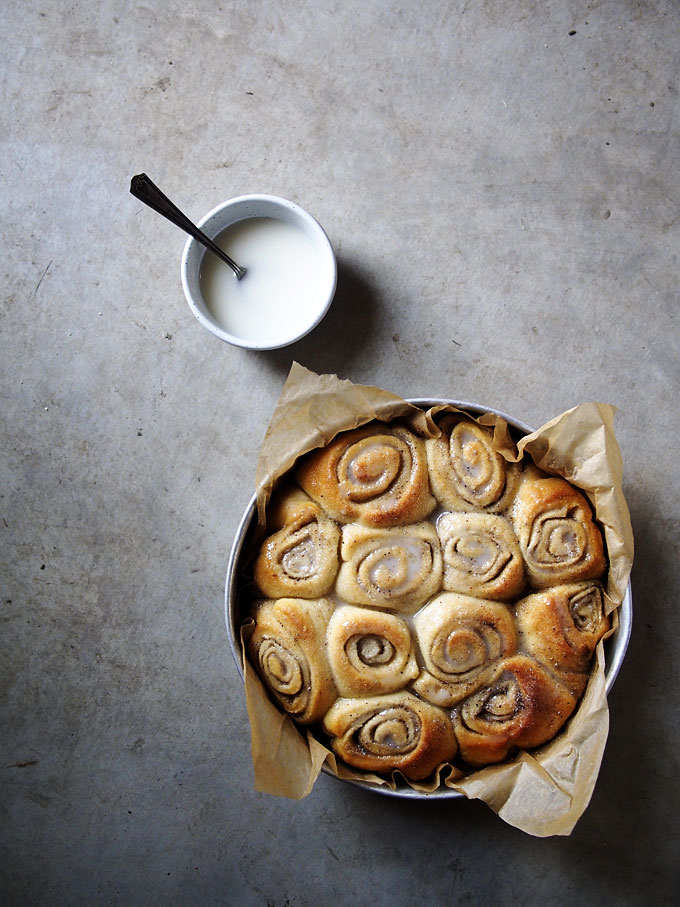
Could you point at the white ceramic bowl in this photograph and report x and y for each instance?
(247, 207)
(615, 645)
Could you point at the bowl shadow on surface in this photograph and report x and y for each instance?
(352, 326)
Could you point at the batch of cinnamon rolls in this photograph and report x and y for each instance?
(425, 601)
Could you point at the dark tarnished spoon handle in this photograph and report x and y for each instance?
(149, 193)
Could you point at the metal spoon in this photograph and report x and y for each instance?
(146, 191)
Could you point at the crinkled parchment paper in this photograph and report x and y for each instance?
(543, 792)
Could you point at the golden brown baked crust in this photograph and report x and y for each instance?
(466, 473)
(373, 475)
(287, 504)
(300, 560)
(393, 732)
(522, 706)
(503, 588)
(559, 539)
(560, 627)
(370, 652)
(460, 638)
(397, 568)
(481, 555)
(288, 648)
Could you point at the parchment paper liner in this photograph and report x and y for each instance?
(543, 792)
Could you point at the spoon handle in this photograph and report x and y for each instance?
(149, 193)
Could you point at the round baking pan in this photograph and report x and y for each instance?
(615, 645)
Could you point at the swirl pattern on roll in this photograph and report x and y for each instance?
(426, 600)
(561, 627)
(300, 560)
(397, 731)
(481, 555)
(460, 638)
(466, 473)
(288, 649)
(521, 706)
(559, 539)
(370, 652)
(374, 475)
(398, 568)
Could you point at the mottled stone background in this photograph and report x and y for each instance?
(501, 183)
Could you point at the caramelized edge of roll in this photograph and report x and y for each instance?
(289, 634)
(381, 723)
(542, 499)
(318, 474)
(522, 707)
(320, 536)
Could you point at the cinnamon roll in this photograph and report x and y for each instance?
(559, 540)
(288, 649)
(396, 568)
(301, 559)
(370, 652)
(561, 627)
(481, 555)
(460, 639)
(466, 473)
(520, 707)
(287, 504)
(374, 475)
(393, 732)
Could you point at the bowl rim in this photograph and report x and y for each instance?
(616, 644)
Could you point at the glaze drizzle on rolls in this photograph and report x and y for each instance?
(300, 560)
(460, 638)
(427, 601)
(375, 475)
(466, 472)
(396, 568)
(481, 555)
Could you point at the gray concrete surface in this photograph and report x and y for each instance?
(501, 183)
